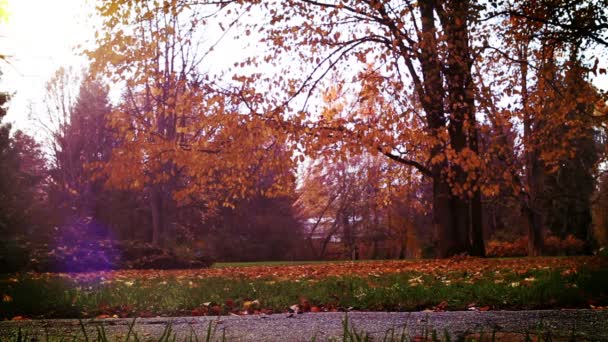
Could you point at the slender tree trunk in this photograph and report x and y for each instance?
(476, 207)
(374, 248)
(535, 239)
(347, 235)
(530, 204)
(477, 241)
(156, 207)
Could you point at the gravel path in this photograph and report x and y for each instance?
(586, 325)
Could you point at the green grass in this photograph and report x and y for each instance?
(56, 297)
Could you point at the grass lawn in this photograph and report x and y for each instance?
(453, 284)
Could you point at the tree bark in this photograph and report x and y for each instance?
(530, 204)
(443, 218)
(477, 241)
(156, 207)
(462, 127)
(432, 99)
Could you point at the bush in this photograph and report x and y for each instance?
(552, 246)
(573, 246)
(94, 256)
(508, 249)
(13, 256)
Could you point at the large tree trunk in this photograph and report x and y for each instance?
(443, 219)
(462, 128)
(432, 99)
(456, 198)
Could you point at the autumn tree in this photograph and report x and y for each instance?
(422, 83)
(398, 36)
(362, 203)
(61, 92)
(147, 51)
(331, 200)
(184, 140)
(260, 226)
(548, 40)
(419, 61)
(433, 61)
(571, 178)
(81, 140)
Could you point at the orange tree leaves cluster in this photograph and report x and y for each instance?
(430, 80)
(179, 141)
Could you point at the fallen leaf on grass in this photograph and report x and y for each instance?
(145, 314)
(431, 267)
(441, 306)
(594, 307)
(304, 305)
(251, 306)
(500, 336)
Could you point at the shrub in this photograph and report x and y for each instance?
(552, 246)
(94, 256)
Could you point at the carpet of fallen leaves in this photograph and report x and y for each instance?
(432, 267)
(447, 271)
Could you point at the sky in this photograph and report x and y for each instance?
(39, 37)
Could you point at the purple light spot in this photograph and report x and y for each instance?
(85, 245)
